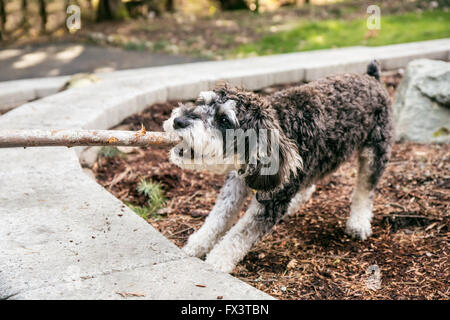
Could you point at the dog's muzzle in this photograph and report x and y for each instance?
(181, 123)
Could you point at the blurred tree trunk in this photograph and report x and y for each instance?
(170, 6)
(24, 8)
(233, 4)
(43, 14)
(2, 18)
(111, 10)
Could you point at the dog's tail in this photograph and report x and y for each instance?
(373, 70)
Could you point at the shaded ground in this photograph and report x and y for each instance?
(308, 256)
(43, 60)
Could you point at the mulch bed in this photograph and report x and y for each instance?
(308, 256)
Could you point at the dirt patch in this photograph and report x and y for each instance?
(308, 256)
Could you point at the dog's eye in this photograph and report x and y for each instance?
(224, 120)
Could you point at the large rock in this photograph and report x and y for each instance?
(422, 102)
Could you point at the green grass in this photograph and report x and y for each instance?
(326, 34)
(156, 199)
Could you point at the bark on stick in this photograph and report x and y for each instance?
(71, 138)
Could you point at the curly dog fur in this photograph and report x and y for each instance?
(319, 125)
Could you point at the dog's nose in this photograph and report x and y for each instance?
(181, 123)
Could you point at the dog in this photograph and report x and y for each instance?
(314, 128)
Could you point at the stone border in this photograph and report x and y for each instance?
(65, 237)
(15, 93)
(18, 92)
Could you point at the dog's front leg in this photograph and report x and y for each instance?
(257, 221)
(221, 218)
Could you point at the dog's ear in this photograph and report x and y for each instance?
(273, 160)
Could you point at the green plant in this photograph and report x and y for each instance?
(135, 45)
(110, 152)
(143, 212)
(153, 191)
(156, 199)
(160, 45)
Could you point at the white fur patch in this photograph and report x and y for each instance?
(229, 108)
(221, 218)
(300, 198)
(208, 96)
(358, 224)
(238, 241)
(293, 160)
(168, 124)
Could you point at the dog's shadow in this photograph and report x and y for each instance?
(323, 237)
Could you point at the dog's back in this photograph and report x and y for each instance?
(333, 117)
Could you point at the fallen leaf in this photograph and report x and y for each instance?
(292, 264)
(127, 150)
(131, 294)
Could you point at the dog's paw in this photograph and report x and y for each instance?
(194, 250)
(220, 263)
(197, 245)
(358, 228)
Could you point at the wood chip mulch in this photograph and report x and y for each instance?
(308, 256)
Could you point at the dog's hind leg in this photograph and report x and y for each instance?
(372, 162)
(373, 158)
(221, 218)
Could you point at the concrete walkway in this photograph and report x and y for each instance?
(49, 60)
(63, 236)
(41, 69)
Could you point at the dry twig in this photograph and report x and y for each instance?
(73, 137)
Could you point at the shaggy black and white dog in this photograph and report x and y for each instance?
(312, 129)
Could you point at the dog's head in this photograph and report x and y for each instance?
(231, 129)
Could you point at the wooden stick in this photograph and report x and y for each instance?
(71, 138)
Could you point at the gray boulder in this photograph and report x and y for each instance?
(422, 102)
